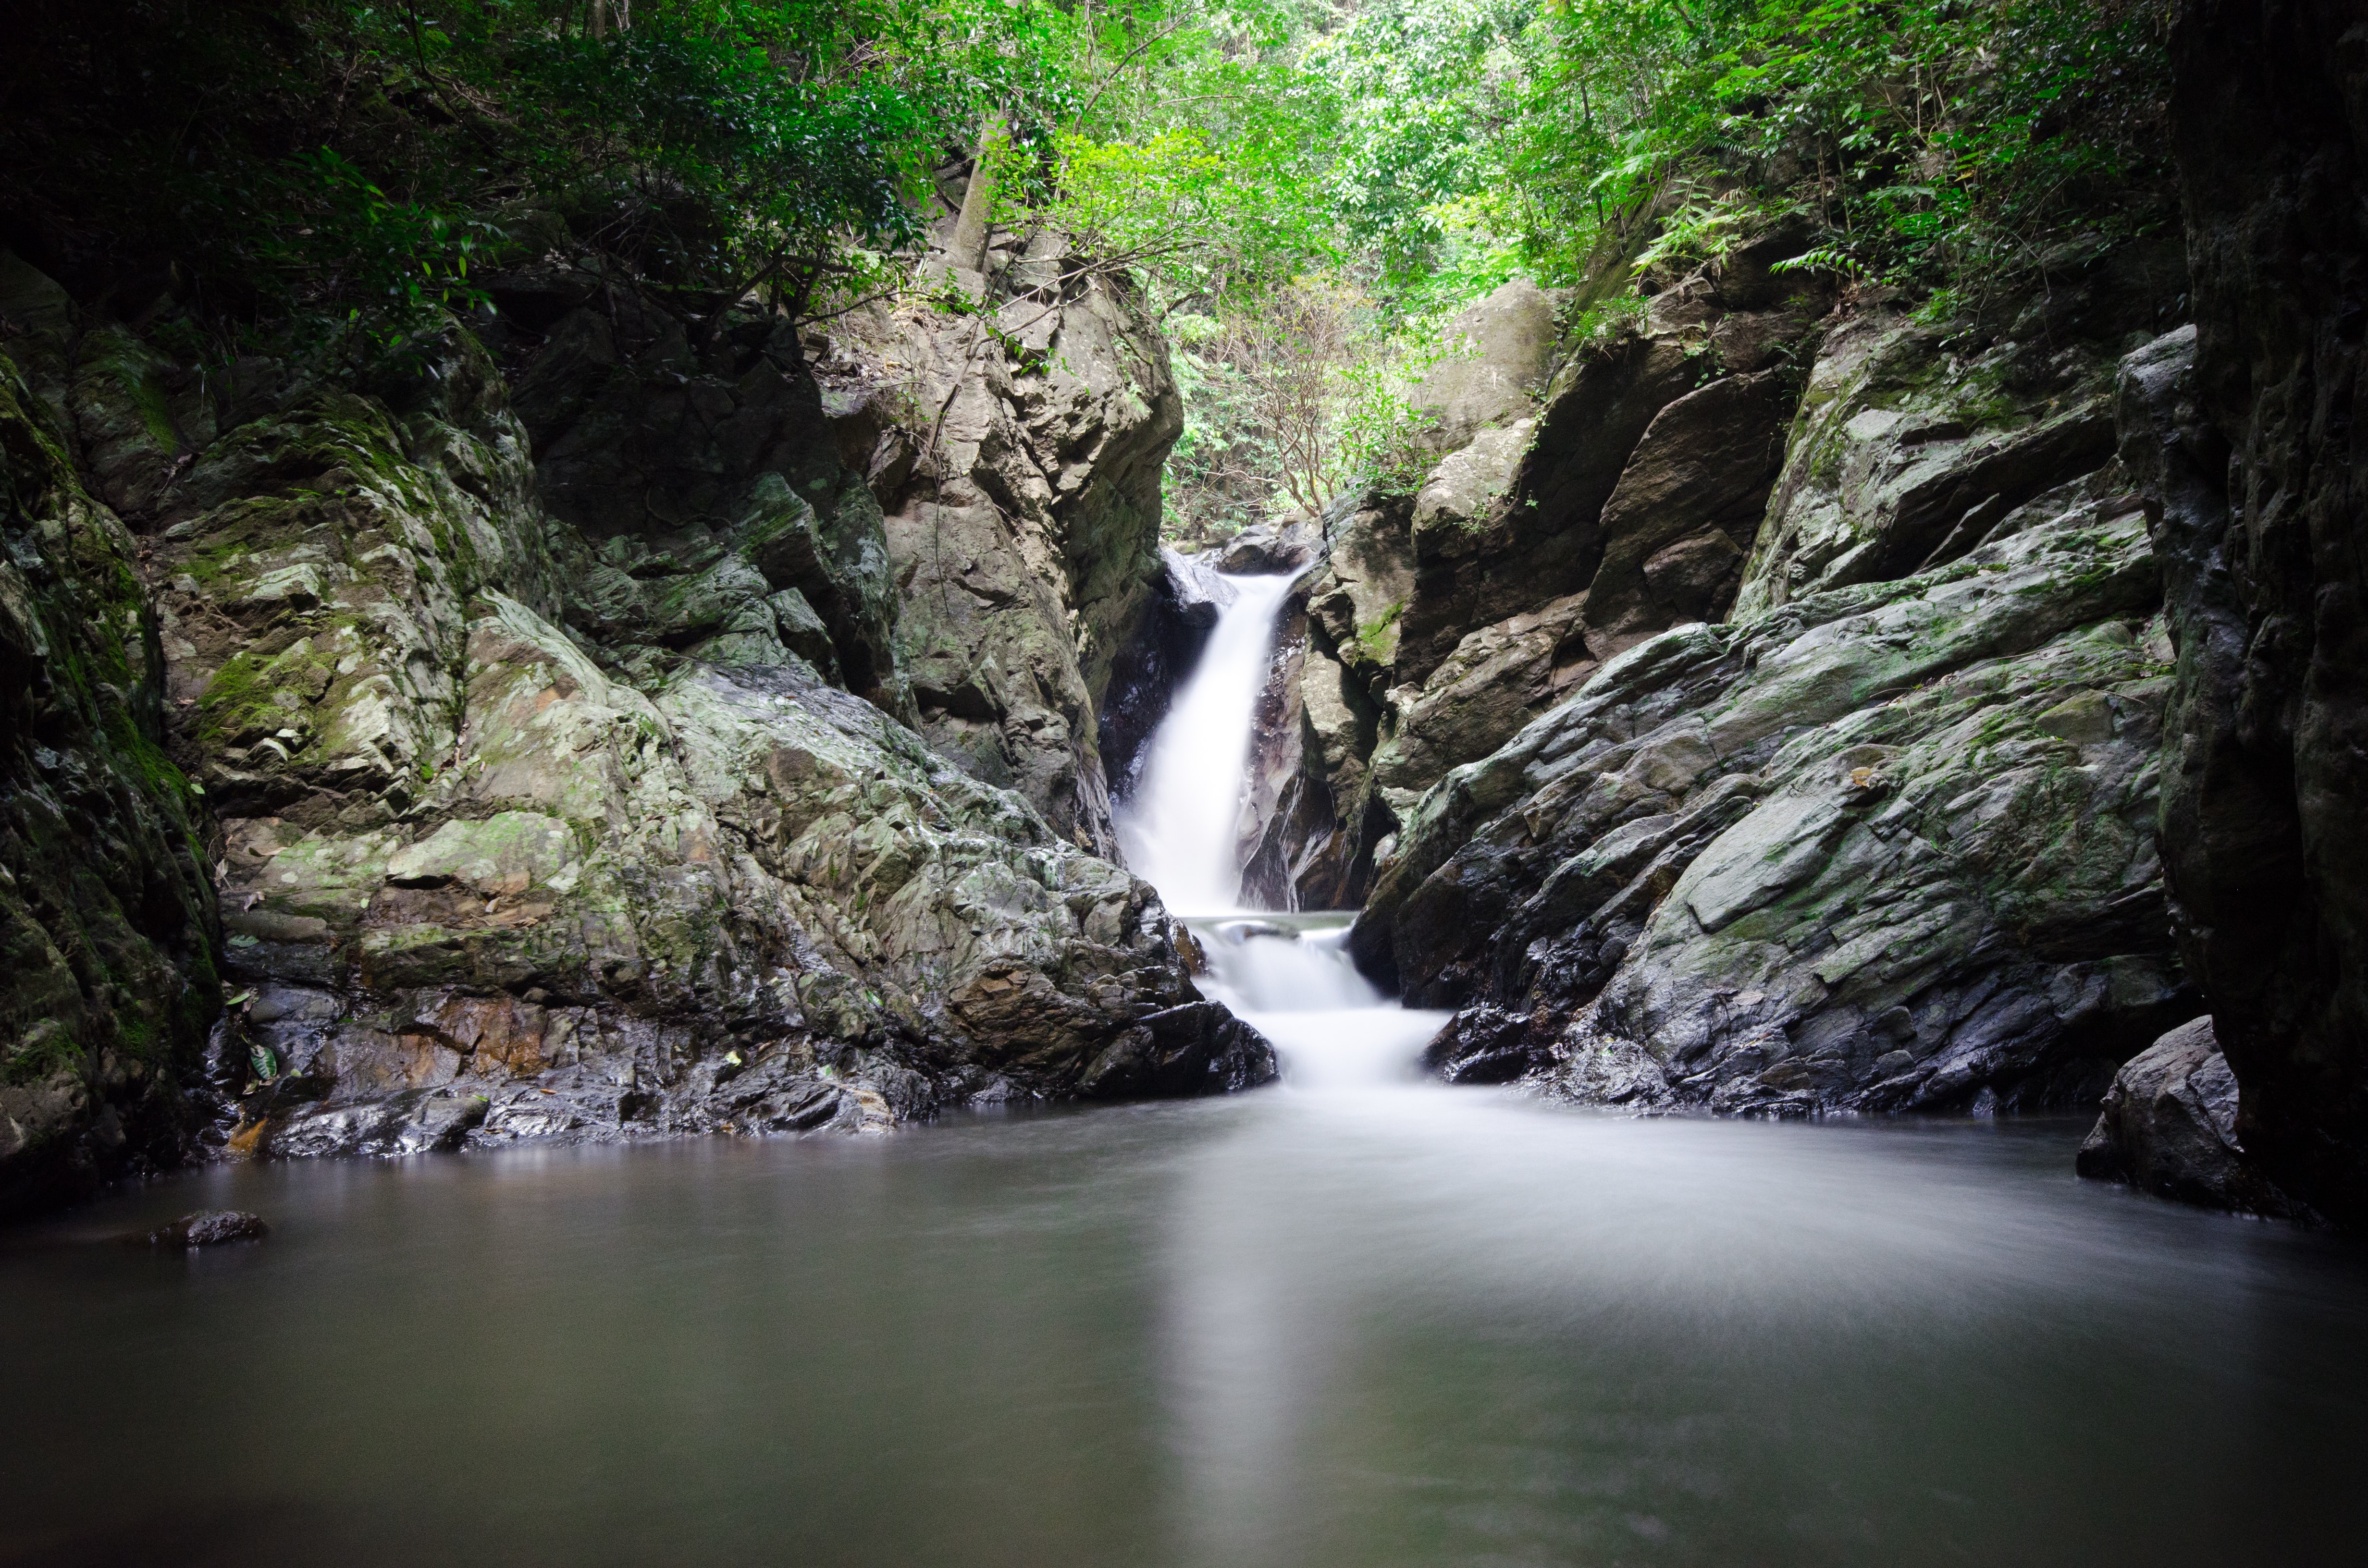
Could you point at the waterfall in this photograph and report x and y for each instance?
(1182, 830)
(1289, 975)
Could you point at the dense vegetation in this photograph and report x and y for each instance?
(1303, 188)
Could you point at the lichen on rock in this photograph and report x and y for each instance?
(584, 823)
(1884, 846)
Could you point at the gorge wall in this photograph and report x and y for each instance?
(1790, 711)
(1881, 840)
(584, 722)
(2255, 478)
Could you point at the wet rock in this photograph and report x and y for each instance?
(210, 1227)
(1884, 847)
(2170, 1125)
(1266, 548)
(1196, 1048)
(105, 921)
(2257, 488)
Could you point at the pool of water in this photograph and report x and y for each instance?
(1393, 1324)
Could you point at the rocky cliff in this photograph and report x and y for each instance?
(1582, 504)
(110, 945)
(2255, 478)
(555, 716)
(1819, 767)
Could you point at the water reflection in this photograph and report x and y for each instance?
(1364, 1326)
(1419, 1324)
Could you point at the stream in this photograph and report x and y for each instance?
(1358, 1320)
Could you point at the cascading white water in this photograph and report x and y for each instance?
(1289, 976)
(1182, 828)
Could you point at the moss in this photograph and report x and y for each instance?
(244, 699)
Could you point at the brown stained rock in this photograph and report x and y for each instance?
(1539, 541)
(1566, 531)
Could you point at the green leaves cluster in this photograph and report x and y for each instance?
(356, 158)
(1926, 143)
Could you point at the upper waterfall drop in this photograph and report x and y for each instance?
(1290, 975)
(1182, 828)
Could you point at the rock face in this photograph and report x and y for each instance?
(2260, 487)
(2170, 1125)
(1881, 845)
(1906, 457)
(666, 454)
(1565, 522)
(1020, 470)
(581, 821)
(960, 510)
(107, 932)
(1498, 352)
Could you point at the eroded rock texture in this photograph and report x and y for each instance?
(2256, 471)
(587, 820)
(1881, 845)
(1571, 516)
(106, 935)
(1022, 495)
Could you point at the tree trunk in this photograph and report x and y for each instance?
(968, 249)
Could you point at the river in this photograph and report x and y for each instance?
(1359, 1320)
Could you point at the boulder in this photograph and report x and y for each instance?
(1287, 544)
(210, 1227)
(2170, 1125)
(1498, 352)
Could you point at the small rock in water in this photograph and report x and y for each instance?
(210, 1227)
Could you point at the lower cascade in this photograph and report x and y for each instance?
(1289, 975)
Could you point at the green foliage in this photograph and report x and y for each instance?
(1189, 148)
(393, 258)
(1379, 432)
(1924, 142)
(362, 162)
(1429, 89)
(359, 164)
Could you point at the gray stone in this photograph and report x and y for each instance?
(1498, 352)
(1884, 847)
(210, 1227)
(2170, 1125)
